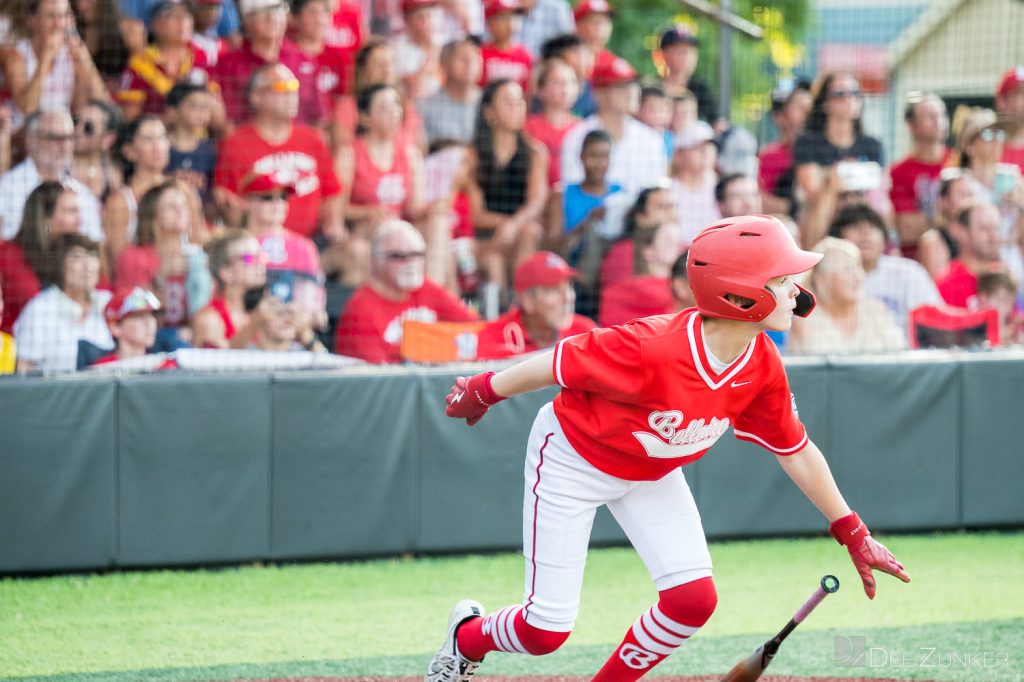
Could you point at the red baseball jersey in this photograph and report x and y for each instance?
(642, 399)
(370, 327)
(304, 155)
(514, 64)
(506, 336)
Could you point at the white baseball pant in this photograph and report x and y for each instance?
(563, 492)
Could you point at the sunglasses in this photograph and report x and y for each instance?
(404, 255)
(992, 135)
(842, 94)
(291, 85)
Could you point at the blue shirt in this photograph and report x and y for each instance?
(140, 9)
(577, 204)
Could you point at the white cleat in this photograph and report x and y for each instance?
(448, 664)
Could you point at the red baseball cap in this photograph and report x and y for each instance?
(413, 5)
(130, 301)
(588, 7)
(542, 269)
(493, 8)
(267, 183)
(1011, 80)
(608, 72)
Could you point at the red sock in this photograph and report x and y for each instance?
(662, 629)
(506, 630)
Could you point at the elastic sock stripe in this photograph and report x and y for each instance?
(651, 626)
(510, 630)
(673, 626)
(650, 643)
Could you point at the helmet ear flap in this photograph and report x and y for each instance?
(805, 302)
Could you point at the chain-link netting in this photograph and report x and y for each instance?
(448, 180)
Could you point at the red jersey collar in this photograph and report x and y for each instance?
(714, 381)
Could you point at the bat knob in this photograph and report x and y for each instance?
(830, 583)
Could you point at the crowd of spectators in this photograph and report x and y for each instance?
(254, 174)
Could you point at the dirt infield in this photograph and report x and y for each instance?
(541, 678)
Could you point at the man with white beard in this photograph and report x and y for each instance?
(370, 328)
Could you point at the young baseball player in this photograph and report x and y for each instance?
(638, 401)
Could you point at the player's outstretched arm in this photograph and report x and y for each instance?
(809, 470)
(471, 397)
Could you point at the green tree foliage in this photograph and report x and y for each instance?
(757, 64)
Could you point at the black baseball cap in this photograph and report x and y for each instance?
(678, 35)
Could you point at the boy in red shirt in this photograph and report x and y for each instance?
(502, 58)
(131, 315)
(638, 402)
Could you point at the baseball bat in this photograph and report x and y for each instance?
(753, 665)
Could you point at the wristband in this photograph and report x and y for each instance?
(849, 530)
(486, 393)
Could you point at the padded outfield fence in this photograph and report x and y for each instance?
(186, 469)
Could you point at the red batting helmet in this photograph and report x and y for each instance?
(738, 256)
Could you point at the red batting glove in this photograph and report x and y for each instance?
(866, 552)
(471, 398)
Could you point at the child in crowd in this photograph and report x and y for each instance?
(193, 155)
(330, 64)
(131, 316)
(583, 203)
(557, 90)
(504, 59)
(656, 112)
(999, 290)
(417, 51)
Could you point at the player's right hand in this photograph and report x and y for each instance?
(470, 398)
(866, 553)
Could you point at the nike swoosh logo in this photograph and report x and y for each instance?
(737, 384)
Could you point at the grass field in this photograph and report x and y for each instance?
(962, 617)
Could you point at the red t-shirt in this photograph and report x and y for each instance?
(1013, 155)
(373, 186)
(370, 327)
(513, 63)
(234, 69)
(19, 283)
(617, 264)
(915, 185)
(551, 137)
(304, 153)
(346, 29)
(634, 297)
(329, 73)
(506, 336)
(641, 399)
(959, 286)
(775, 160)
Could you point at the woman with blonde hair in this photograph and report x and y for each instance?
(846, 319)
